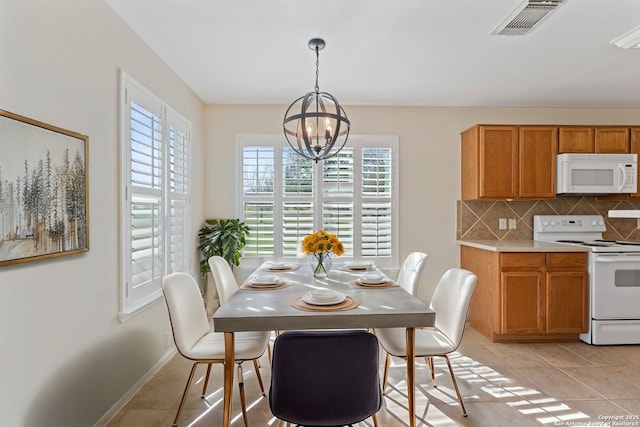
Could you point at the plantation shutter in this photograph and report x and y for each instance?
(179, 191)
(297, 203)
(156, 193)
(352, 195)
(376, 202)
(258, 172)
(146, 180)
(338, 197)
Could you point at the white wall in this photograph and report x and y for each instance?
(65, 358)
(429, 161)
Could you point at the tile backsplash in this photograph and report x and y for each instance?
(479, 219)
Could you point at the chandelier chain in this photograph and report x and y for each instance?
(316, 87)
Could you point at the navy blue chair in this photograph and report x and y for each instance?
(325, 378)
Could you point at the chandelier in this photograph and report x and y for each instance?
(315, 125)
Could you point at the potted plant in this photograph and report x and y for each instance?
(222, 237)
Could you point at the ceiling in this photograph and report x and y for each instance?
(393, 52)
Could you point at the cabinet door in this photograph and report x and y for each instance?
(635, 149)
(612, 140)
(522, 302)
(567, 302)
(498, 162)
(537, 151)
(574, 139)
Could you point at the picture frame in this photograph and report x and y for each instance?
(44, 190)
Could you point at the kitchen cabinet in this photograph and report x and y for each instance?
(634, 137)
(601, 139)
(508, 162)
(537, 152)
(528, 296)
(612, 140)
(576, 139)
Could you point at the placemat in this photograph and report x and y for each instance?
(281, 284)
(348, 304)
(390, 284)
(292, 267)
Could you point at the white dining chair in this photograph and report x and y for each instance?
(196, 341)
(450, 302)
(223, 277)
(408, 279)
(411, 272)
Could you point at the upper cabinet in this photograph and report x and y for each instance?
(612, 140)
(575, 139)
(537, 151)
(635, 149)
(509, 162)
(603, 139)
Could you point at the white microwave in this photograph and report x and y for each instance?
(597, 173)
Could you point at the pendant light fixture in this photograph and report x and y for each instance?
(315, 125)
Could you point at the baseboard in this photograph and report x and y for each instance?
(117, 407)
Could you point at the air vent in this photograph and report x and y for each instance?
(526, 16)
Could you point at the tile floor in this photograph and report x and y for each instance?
(568, 384)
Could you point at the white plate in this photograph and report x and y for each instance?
(264, 280)
(308, 298)
(361, 266)
(376, 279)
(278, 266)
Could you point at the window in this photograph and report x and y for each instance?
(284, 197)
(155, 193)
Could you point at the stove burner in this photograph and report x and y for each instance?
(601, 245)
(628, 243)
(606, 240)
(570, 241)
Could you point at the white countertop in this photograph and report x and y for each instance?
(521, 246)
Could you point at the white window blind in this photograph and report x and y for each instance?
(284, 197)
(155, 194)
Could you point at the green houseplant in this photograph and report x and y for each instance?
(222, 237)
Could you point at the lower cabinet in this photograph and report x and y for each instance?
(531, 296)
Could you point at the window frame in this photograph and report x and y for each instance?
(175, 132)
(358, 142)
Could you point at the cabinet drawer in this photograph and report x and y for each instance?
(530, 261)
(567, 261)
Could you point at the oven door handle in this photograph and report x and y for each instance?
(618, 259)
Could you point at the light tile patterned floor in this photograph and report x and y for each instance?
(502, 385)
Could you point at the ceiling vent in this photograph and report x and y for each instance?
(526, 16)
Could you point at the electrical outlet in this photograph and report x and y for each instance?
(512, 223)
(168, 340)
(502, 223)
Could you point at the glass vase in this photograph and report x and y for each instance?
(321, 264)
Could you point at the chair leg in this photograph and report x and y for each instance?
(257, 366)
(432, 370)
(184, 395)
(206, 381)
(455, 385)
(269, 353)
(243, 401)
(375, 420)
(385, 374)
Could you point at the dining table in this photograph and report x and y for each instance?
(276, 297)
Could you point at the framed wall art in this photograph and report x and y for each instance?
(44, 192)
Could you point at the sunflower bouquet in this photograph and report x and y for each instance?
(320, 244)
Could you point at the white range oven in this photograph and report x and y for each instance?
(614, 275)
